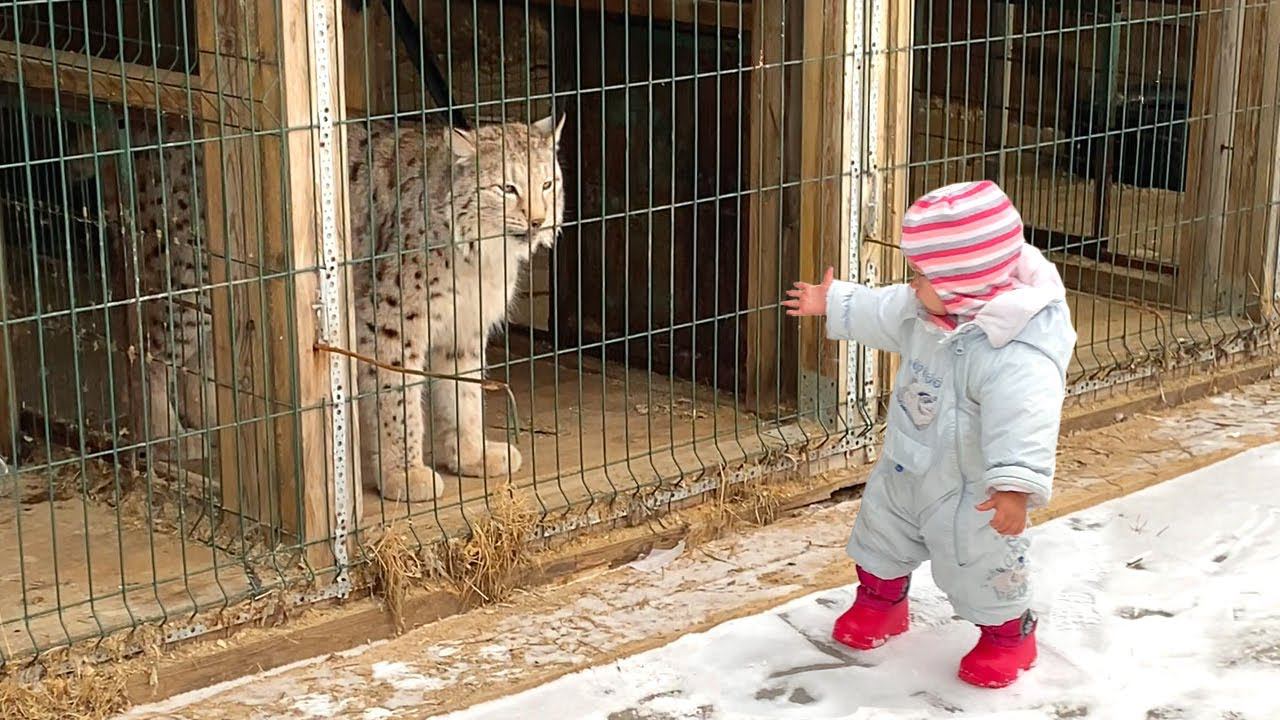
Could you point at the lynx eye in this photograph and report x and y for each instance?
(511, 190)
(546, 185)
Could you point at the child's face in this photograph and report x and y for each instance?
(925, 293)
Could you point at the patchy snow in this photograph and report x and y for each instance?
(1159, 605)
(402, 677)
(657, 559)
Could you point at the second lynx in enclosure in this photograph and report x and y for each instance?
(443, 223)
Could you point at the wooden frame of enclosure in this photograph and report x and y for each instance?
(254, 94)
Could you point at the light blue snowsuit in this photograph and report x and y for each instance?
(973, 411)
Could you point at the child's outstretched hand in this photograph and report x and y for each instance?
(809, 299)
(1011, 511)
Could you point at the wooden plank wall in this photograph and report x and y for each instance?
(770, 367)
(1254, 157)
(1206, 255)
(656, 238)
(824, 160)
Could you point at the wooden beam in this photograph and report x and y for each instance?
(705, 13)
(891, 186)
(767, 111)
(1267, 189)
(1204, 284)
(120, 83)
(824, 157)
(291, 241)
(232, 186)
(1250, 211)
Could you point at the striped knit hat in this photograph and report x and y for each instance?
(966, 239)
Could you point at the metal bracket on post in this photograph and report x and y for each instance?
(331, 304)
(857, 28)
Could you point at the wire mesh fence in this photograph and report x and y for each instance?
(1137, 139)
(281, 275)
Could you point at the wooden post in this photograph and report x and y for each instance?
(765, 242)
(1267, 188)
(264, 216)
(892, 155)
(1203, 284)
(1249, 209)
(231, 190)
(996, 112)
(291, 239)
(824, 158)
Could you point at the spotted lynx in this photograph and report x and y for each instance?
(171, 282)
(454, 218)
(442, 222)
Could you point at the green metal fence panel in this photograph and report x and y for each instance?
(1131, 136)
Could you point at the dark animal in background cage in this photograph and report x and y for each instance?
(1146, 141)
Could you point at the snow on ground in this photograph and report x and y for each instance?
(1160, 605)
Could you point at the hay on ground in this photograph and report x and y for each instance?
(88, 693)
(489, 565)
(395, 563)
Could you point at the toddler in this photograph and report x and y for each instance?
(985, 338)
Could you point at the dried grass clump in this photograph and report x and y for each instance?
(395, 564)
(89, 693)
(749, 503)
(490, 564)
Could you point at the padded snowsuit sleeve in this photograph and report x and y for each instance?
(1021, 399)
(876, 317)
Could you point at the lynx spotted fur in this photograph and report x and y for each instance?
(172, 283)
(452, 224)
(443, 223)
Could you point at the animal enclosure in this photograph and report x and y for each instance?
(281, 275)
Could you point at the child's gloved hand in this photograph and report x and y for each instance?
(809, 299)
(1011, 511)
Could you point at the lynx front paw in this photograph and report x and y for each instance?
(496, 460)
(415, 484)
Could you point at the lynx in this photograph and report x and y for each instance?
(172, 282)
(443, 222)
(450, 218)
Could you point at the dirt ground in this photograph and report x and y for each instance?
(596, 619)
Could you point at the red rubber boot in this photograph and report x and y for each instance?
(1002, 653)
(879, 612)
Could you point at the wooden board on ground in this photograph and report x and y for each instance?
(77, 569)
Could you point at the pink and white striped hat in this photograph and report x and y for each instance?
(966, 239)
